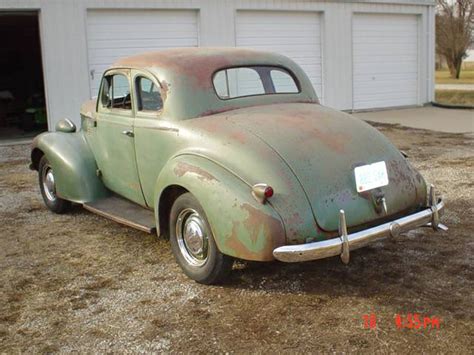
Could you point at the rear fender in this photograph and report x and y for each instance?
(74, 166)
(242, 227)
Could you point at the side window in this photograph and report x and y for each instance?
(116, 92)
(148, 95)
(283, 82)
(121, 92)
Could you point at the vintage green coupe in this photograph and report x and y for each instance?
(229, 153)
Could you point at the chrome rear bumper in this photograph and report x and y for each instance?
(346, 242)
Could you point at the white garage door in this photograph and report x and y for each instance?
(294, 34)
(385, 49)
(112, 34)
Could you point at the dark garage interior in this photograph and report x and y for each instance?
(22, 99)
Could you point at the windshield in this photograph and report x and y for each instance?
(231, 83)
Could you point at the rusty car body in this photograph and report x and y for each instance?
(262, 175)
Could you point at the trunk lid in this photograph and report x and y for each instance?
(322, 147)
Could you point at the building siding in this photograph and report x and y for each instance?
(63, 25)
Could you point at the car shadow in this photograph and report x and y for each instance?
(387, 272)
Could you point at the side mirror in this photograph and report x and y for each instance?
(66, 126)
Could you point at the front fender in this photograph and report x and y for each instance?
(74, 165)
(242, 227)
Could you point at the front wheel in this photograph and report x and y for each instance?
(47, 183)
(193, 244)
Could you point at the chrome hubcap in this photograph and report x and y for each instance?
(192, 236)
(49, 186)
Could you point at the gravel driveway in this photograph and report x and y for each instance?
(78, 282)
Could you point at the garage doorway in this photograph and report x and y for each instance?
(22, 97)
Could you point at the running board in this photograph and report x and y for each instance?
(124, 212)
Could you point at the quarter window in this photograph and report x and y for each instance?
(148, 95)
(283, 82)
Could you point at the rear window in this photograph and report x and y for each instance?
(232, 83)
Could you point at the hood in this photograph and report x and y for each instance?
(321, 147)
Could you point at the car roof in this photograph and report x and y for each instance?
(186, 78)
(197, 57)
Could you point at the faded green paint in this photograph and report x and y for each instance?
(322, 147)
(73, 164)
(243, 227)
(217, 149)
(66, 126)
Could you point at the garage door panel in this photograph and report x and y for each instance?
(140, 33)
(392, 34)
(385, 55)
(386, 30)
(294, 34)
(112, 34)
(377, 58)
(370, 86)
(288, 50)
(389, 100)
(387, 103)
(392, 97)
(387, 48)
(130, 45)
(385, 88)
(269, 17)
(143, 43)
(297, 29)
(145, 16)
(275, 41)
(388, 67)
(400, 42)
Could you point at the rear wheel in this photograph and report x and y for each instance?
(47, 184)
(193, 244)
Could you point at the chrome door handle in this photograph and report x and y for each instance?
(128, 133)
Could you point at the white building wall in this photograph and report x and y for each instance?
(64, 41)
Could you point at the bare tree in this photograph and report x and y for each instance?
(454, 25)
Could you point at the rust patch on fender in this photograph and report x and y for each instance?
(256, 224)
(183, 168)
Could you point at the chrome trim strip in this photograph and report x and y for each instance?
(333, 247)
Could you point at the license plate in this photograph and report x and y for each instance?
(371, 176)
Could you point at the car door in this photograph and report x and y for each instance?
(115, 155)
(156, 137)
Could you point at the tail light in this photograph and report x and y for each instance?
(262, 192)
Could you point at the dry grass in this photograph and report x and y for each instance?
(455, 97)
(79, 283)
(466, 77)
